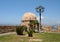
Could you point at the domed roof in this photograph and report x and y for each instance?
(29, 16)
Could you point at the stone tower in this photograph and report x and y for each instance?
(27, 17)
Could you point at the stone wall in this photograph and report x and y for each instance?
(50, 29)
(5, 29)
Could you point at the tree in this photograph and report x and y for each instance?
(33, 24)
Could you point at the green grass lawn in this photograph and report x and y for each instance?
(46, 37)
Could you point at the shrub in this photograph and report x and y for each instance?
(30, 33)
(19, 30)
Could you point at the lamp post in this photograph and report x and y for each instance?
(40, 10)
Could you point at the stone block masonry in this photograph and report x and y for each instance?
(5, 29)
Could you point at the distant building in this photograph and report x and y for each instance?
(47, 29)
(58, 28)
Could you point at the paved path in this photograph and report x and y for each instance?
(7, 33)
(30, 40)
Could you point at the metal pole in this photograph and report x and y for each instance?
(40, 21)
(40, 9)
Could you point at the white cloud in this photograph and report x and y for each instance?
(41, 18)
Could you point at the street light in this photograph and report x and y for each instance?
(40, 10)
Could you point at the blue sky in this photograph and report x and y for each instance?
(11, 11)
